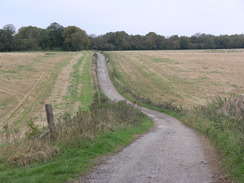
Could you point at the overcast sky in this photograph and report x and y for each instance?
(165, 17)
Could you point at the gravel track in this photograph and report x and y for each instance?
(171, 153)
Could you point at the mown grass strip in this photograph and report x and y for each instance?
(76, 79)
(86, 93)
(80, 88)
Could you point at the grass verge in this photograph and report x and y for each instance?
(81, 94)
(80, 141)
(225, 130)
(86, 96)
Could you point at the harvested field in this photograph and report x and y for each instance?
(29, 80)
(188, 77)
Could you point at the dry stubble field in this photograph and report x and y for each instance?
(29, 80)
(187, 77)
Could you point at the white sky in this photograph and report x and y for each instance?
(165, 17)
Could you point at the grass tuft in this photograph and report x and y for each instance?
(221, 121)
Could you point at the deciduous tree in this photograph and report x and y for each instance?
(28, 38)
(7, 41)
(56, 35)
(75, 39)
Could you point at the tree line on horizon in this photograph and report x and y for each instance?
(72, 38)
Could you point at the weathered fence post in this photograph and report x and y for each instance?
(50, 120)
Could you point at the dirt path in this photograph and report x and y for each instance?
(170, 153)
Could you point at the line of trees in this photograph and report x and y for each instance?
(54, 37)
(153, 41)
(72, 38)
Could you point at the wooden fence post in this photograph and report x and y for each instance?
(50, 120)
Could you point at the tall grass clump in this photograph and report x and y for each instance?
(103, 115)
(222, 120)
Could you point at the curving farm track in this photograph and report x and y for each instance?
(170, 153)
